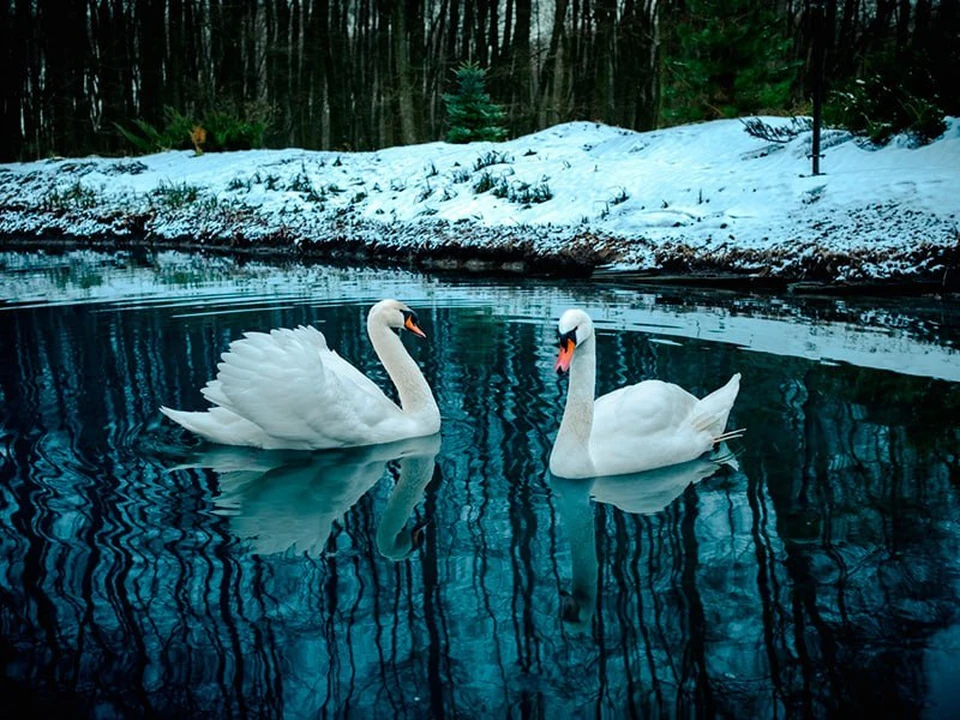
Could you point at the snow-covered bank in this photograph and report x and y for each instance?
(696, 199)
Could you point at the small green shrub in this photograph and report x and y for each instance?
(174, 135)
(621, 197)
(77, 196)
(485, 182)
(300, 183)
(755, 127)
(527, 194)
(173, 195)
(878, 110)
(491, 158)
(425, 192)
(460, 175)
(223, 129)
(228, 130)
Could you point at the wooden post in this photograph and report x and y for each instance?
(816, 84)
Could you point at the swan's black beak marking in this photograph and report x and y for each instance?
(410, 323)
(568, 341)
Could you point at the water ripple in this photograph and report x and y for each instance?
(137, 583)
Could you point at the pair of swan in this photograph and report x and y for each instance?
(287, 389)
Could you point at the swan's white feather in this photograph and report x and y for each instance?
(654, 424)
(648, 425)
(288, 389)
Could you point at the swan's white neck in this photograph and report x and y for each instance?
(571, 451)
(577, 515)
(416, 397)
(415, 472)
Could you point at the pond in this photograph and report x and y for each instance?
(145, 573)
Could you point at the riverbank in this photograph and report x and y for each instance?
(709, 204)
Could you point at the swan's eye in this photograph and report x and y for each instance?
(568, 338)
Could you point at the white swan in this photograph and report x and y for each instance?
(634, 428)
(288, 390)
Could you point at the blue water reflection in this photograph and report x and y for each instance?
(143, 573)
(288, 501)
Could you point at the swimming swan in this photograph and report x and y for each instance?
(287, 390)
(634, 428)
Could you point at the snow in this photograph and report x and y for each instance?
(706, 197)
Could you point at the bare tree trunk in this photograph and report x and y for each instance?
(64, 32)
(523, 81)
(401, 55)
(14, 56)
(605, 53)
(637, 83)
(549, 107)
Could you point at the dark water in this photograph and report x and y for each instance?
(144, 574)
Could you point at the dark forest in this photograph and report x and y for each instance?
(363, 74)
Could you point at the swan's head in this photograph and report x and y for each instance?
(404, 542)
(575, 328)
(576, 611)
(396, 315)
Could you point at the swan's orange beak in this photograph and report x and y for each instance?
(411, 324)
(567, 344)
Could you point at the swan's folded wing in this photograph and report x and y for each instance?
(295, 388)
(349, 374)
(645, 426)
(647, 408)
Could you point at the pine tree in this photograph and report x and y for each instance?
(727, 58)
(471, 114)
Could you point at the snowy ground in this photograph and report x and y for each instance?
(696, 199)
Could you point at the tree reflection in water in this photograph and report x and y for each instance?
(820, 578)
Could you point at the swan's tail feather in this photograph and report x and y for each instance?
(218, 425)
(729, 435)
(193, 421)
(713, 409)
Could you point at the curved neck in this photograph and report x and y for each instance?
(412, 387)
(577, 515)
(577, 422)
(415, 473)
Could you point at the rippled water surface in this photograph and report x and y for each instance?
(143, 573)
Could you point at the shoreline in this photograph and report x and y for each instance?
(706, 205)
(479, 260)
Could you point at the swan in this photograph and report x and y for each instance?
(644, 493)
(278, 501)
(638, 427)
(287, 390)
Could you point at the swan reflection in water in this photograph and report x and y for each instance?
(642, 493)
(283, 500)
